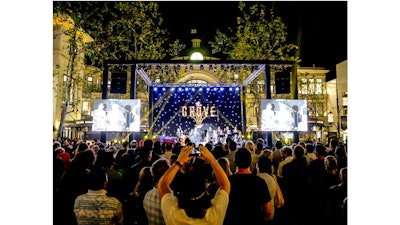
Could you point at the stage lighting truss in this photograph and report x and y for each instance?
(150, 71)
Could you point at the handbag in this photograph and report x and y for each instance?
(278, 199)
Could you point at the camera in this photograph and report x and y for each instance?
(195, 152)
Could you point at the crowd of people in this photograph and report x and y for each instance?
(151, 182)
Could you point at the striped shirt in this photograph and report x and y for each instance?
(95, 207)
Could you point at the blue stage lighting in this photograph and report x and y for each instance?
(163, 88)
(155, 89)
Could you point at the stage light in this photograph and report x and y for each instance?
(193, 89)
(186, 89)
(230, 89)
(200, 89)
(237, 89)
(208, 89)
(155, 89)
(179, 89)
(215, 89)
(163, 88)
(172, 89)
(221, 88)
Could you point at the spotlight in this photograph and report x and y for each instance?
(237, 89)
(163, 88)
(193, 89)
(200, 89)
(221, 88)
(172, 89)
(186, 89)
(208, 89)
(155, 89)
(230, 89)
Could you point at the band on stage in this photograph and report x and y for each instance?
(210, 134)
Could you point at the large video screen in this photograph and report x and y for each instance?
(116, 115)
(284, 115)
(196, 112)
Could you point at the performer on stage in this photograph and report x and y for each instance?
(227, 133)
(236, 134)
(210, 135)
(179, 132)
(220, 134)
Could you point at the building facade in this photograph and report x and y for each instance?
(86, 85)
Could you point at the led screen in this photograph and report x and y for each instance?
(284, 115)
(116, 115)
(196, 112)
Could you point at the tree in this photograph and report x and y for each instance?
(259, 35)
(118, 30)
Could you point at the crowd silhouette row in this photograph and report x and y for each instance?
(152, 183)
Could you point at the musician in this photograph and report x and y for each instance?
(179, 132)
(220, 135)
(210, 135)
(228, 132)
(235, 134)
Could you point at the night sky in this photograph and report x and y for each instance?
(323, 26)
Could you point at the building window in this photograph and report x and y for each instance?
(260, 86)
(303, 86)
(311, 86)
(85, 108)
(319, 109)
(318, 87)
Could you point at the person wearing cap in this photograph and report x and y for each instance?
(189, 203)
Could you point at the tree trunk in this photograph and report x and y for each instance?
(70, 72)
(63, 114)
